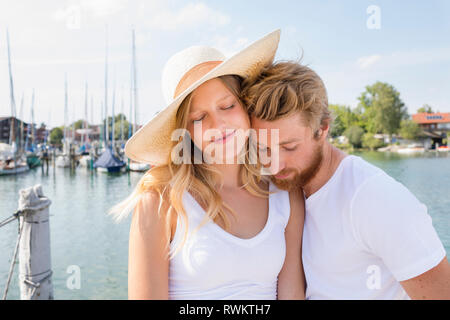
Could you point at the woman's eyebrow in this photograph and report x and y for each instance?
(224, 97)
(217, 101)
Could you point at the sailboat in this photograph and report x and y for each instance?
(108, 162)
(63, 160)
(11, 162)
(86, 158)
(31, 153)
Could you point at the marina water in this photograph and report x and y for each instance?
(85, 238)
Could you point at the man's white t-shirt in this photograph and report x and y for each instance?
(364, 232)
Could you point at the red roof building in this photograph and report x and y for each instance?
(433, 121)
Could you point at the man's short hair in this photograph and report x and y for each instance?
(283, 88)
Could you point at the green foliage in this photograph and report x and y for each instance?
(425, 109)
(78, 124)
(369, 141)
(354, 135)
(409, 129)
(117, 125)
(344, 117)
(381, 108)
(56, 136)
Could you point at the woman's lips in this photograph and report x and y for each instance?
(224, 137)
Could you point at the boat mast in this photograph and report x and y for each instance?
(21, 146)
(106, 90)
(32, 121)
(102, 126)
(73, 126)
(121, 117)
(65, 112)
(113, 103)
(135, 92)
(85, 111)
(12, 134)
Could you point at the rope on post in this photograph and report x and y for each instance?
(36, 285)
(13, 261)
(12, 218)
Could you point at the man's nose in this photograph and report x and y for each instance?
(275, 170)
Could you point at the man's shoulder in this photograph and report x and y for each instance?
(377, 191)
(357, 172)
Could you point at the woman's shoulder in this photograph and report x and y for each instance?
(151, 207)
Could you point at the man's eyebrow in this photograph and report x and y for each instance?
(282, 143)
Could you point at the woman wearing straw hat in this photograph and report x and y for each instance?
(205, 224)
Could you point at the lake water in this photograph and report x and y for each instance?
(83, 235)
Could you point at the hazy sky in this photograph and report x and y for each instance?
(344, 41)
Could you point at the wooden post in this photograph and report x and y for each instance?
(35, 273)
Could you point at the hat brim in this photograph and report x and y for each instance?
(152, 143)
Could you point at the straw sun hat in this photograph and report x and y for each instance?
(183, 73)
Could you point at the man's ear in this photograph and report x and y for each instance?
(322, 133)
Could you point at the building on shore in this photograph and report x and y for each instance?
(5, 128)
(435, 128)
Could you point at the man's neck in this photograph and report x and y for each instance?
(332, 157)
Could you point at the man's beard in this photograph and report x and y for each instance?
(300, 179)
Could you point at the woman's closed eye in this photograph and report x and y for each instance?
(198, 118)
(229, 107)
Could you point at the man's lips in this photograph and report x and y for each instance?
(224, 138)
(282, 176)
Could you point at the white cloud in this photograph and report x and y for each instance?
(193, 14)
(405, 58)
(366, 62)
(102, 8)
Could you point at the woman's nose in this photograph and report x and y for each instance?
(218, 122)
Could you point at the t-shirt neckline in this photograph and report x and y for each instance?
(242, 241)
(336, 173)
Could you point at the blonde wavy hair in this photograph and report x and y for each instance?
(172, 180)
(284, 88)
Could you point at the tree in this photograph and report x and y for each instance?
(425, 109)
(409, 130)
(381, 108)
(56, 136)
(354, 135)
(78, 124)
(343, 119)
(126, 126)
(117, 124)
(369, 141)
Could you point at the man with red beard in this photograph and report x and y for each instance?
(365, 235)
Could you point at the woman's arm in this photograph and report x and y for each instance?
(148, 263)
(291, 280)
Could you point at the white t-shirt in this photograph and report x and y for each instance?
(364, 232)
(215, 265)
